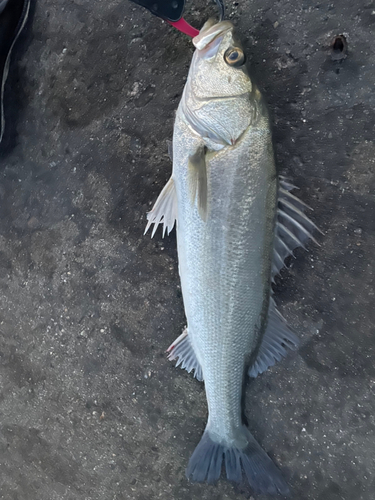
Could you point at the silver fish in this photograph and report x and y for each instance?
(236, 224)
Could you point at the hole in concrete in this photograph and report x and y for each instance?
(339, 48)
(338, 44)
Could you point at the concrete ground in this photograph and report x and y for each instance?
(90, 408)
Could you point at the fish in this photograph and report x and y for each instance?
(236, 222)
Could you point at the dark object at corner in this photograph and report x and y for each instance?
(171, 10)
(13, 16)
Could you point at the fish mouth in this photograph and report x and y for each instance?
(211, 30)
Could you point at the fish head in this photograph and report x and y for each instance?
(218, 68)
(218, 100)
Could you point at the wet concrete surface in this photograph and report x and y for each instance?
(90, 408)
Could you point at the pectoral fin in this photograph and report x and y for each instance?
(198, 180)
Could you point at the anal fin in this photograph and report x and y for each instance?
(277, 339)
(165, 209)
(182, 350)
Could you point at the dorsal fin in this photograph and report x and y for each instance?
(293, 230)
(293, 227)
(277, 339)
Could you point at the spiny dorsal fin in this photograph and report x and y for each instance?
(293, 227)
(165, 209)
(277, 339)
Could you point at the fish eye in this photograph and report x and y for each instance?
(234, 57)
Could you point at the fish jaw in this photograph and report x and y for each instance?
(210, 31)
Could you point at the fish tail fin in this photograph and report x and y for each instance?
(262, 474)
